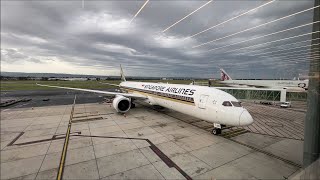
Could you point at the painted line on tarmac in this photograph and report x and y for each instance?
(15, 139)
(154, 148)
(65, 146)
(54, 137)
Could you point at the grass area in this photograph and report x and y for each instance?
(31, 85)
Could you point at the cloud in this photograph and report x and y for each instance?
(101, 22)
(97, 38)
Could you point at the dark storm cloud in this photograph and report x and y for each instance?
(99, 37)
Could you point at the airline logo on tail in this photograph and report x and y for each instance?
(123, 78)
(224, 75)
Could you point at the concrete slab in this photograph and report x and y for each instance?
(48, 174)
(46, 120)
(30, 139)
(17, 122)
(289, 149)
(8, 136)
(156, 138)
(171, 149)
(79, 127)
(225, 172)
(180, 133)
(102, 123)
(197, 142)
(131, 125)
(42, 126)
(57, 145)
(24, 152)
(166, 172)
(102, 140)
(119, 119)
(20, 167)
(262, 166)
(140, 132)
(191, 164)
(150, 155)
(13, 129)
(83, 170)
(104, 130)
(110, 165)
(156, 122)
(166, 127)
(4, 144)
(143, 172)
(74, 156)
(27, 177)
(140, 143)
(114, 147)
(221, 153)
(257, 140)
(39, 132)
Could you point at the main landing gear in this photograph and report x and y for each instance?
(133, 105)
(217, 129)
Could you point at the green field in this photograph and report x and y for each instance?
(31, 85)
(12, 85)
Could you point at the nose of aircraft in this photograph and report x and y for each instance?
(245, 118)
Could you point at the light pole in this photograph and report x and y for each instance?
(311, 149)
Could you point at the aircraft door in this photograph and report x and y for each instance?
(203, 101)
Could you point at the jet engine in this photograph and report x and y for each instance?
(121, 104)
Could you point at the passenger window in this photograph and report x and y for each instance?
(226, 103)
(236, 104)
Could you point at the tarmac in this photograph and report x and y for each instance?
(145, 143)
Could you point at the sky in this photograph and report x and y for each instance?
(95, 37)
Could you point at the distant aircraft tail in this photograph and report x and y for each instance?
(224, 75)
(123, 78)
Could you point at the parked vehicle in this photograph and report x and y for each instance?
(285, 104)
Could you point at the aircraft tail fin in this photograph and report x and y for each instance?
(123, 78)
(224, 75)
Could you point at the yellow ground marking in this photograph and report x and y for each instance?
(66, 142)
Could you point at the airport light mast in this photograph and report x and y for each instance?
(311, 149)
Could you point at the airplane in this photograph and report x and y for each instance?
(290, 85)
(206, 103)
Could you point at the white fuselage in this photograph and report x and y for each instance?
(294, 85)
(201, 102)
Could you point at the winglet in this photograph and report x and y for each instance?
(224, 75)
(123, 78)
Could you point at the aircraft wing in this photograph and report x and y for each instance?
(136, 96)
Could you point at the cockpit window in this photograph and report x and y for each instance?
(226, 103)
(236, 104)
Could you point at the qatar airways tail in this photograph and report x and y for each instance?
(290, 85)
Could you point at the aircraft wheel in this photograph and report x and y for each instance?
(133, 105)
(216, 131)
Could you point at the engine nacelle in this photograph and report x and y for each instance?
(121, 104)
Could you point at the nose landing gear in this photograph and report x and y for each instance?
(217, 129)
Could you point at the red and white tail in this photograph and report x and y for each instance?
(224, 75)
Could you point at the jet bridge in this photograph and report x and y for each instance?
(256, 93)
